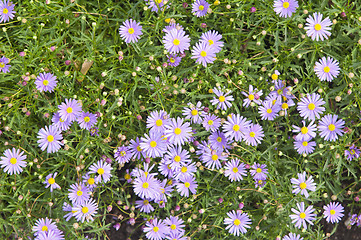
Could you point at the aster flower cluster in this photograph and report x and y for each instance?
(46, 229)
(169, 228)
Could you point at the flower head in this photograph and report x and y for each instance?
(85, 210)
(70, 110)
(303, 216)
(146, 186)
(352, 153)
(4, 61)
(174, 60)
(259, 171)
(237, 222)
(305, 146)
(317, 28)
(156, 5)
(6, 11)
(194, 112)
(144, 206)
(175, 225)
(46, 82)
(327, 69)
(330, 127)
(254, 134)
(285, 8)
(135, 149)
(305, 133)
(50, 181)
(203, 53)
(60, 123)
(78, 193)
(223, 101)
(302, 184)
(157, 120)
(333, 212)
(153, 145)
(235, 170)
(44, 225)
(253, 95)
(211, 122)
(268, 110)
(212, 38)
(130, 31)
(50, 235)
(176, 41)
(50, 138)
(13, 162)
(310, 106)
(200, 7)
(177, 131)
(87, 120)
(123, 154)
(185, 185)
(155, 229)
(102, 169)
(235, 127)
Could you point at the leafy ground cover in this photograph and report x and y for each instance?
(180, 119)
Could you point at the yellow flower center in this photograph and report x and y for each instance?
(145, 202)
(251, 97)
(252, 134)
(236, 222)
(176, 42)
(194, 112)
(222, 99)
(236, 128)
(235, 170)
(86, 119)
(45, 82)
(123, 153)
(332, 212)
(311, 106)
(274, 101)
(279, 91)
(269, 110)
(159, 122)
(331, 127)
(173, 226)
(145, 185)
(158, 1)
(177, 131)
(184, 169)
(274, 76)
(286, 4)
(302, 215)
(69, 110)
(260, 182)
(219, 139)
(153, 144)
(284, 106)
(352, 151)
(305, 144)
(91, 181)
(100, 171)
(214, 157)
(2, 65)
(304, 130)
(203, 54)
(79, 193)
(318, 27)
(187, 184)
(258, 170)
(13, 161)
(5, 10)
(139, 149)
(155, 229)
(303, 185)
(84, 210)
(44, 229)
(168, 166)
(61, 120)
(326, 69)
(127, 176)
(177, 158)
(172, 60)
(210, 122)
(50, 138)
(210, 41)
(51, 181)
(131, 30)
(201, 7)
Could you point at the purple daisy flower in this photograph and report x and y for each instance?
(176, 41)
(302, 216)
(175, 225)
(327, 69)
(90, 182)
(13, 162)
(146, 186)
(187, 170)
(176, 157)
(203, 53)
(253, 95)
(259, 172)
(194, 112)
(268, 110)
(50, 139)
(212, 38)
(70, 110)
(305, 133)
(67, 208)
(155, 229)
(333, 212)
(186, 184)
(78, 193)
(310, 106)
(131, 31)
(157, 120)
(259, 183)
(94, 131)
(352, 153)
(165, 169)
(306, 147)
(217, 140)
(6, 11)
(85, 210)
(172, 26)
(174, 60)
(211, 122)
(212, 158)
(153, 145)
(302, 185)
(237, 222)
(3, 62)
(292, 236)
(318, 28)
(46, 82)
(123, 154)
(286, 105)
(87, 120)
(50, 235)
(50, 181)
(144, 206)
(235, 127)
(200, 7)
(223, 101)
(330, 127)
(60, 123)
(154, 5)
(135, 149)
(103, 169)
(285, 8)
(44, 225)
(235, 170)
(178, 132)
(254, 134)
